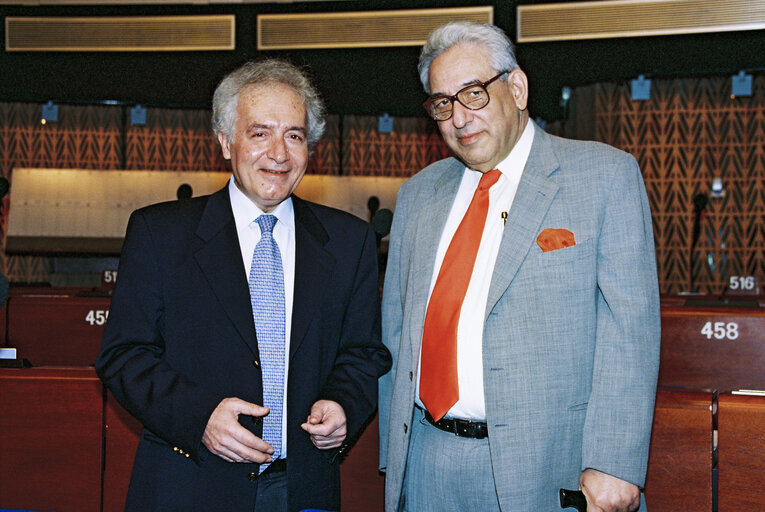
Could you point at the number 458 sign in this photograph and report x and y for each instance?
(744, 285)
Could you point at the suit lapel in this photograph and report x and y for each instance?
(220, 260)
(535, 194)
(313, 269)
(430, 225)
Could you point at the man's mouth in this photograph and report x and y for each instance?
(468, 138)
(274, 171)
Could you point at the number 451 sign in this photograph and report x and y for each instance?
(743, 285)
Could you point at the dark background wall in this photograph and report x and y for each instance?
(353, 81)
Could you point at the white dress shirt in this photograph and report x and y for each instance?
(471, 403)
(245, 213)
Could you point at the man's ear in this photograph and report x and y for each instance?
(519, 86)
(224, 145)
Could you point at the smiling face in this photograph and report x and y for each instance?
(269, 153)
(480, 138)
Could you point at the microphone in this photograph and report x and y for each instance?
(373, 204)
(184, 191)
(4, 187)
(381, 222)
(573, 499)
(700, 202)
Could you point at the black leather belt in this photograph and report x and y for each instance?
(460, 428)
(277, 466)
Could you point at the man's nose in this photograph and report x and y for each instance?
(461, 115)
(277, 150)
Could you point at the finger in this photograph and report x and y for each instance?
(320, 429)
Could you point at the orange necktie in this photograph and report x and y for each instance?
(439, 390)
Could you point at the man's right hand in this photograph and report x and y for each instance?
(230, 441)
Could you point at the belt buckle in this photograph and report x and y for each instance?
(467, 428)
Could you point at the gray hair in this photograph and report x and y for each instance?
(260, 72)
(500, 47)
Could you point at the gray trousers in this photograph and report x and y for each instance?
(446, 472)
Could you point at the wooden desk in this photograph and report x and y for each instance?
(712, 347)
(50, 439)
(57, 329)
(741, 452)
(680, 461)
(122, 433)
(362, 487)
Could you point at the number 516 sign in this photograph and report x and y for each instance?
(743, 285)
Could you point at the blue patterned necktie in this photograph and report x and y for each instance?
(267, 297)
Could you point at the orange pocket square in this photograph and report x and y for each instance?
(552, 239)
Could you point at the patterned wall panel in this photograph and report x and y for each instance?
(690, 132)
(325, 158)
(84, 137)
(173, 140)
(413, 144)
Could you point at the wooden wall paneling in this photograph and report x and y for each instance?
(741, 452)
(414, 143)
(689, 132)
(680, 461)
(84, 137)
(51, 442)
(325, 157)
(173, 140)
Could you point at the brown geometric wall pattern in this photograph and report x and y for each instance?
(413, 144)
(173, 140)
(85, 137)
(690, 132)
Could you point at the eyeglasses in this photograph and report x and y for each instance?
(474, 97)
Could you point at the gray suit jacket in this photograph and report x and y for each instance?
(571, 336)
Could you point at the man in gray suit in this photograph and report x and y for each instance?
(533, 366)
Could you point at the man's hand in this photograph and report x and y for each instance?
(230, 441)
(606, 493)
(326, 424)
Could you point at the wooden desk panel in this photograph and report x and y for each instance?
(122, 433)
(362, 487)
(50, 439)
(4, 324)
(680, 460)
(741, 453)
(729, 355)
(52, 329)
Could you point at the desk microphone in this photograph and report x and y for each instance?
(4, 187)
(381, 222)
(700, 202)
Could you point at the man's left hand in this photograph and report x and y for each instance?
(326, 424)
(606, 493)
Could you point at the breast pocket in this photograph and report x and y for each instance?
(568, 254)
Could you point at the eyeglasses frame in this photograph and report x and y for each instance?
(454, 98)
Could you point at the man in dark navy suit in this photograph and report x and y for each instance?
(244, 332)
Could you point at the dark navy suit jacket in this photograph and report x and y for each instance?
(180, 338)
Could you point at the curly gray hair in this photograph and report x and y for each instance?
(444, 37)
(266, 71)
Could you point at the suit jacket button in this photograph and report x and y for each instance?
(176, 449)
(252, 476)
(255, 363)
(257, 420)
(406, 427)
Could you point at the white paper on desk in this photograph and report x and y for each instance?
(7, 353)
